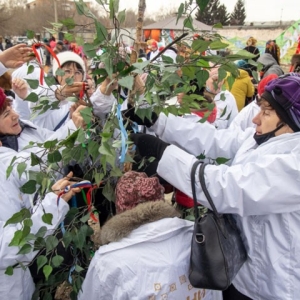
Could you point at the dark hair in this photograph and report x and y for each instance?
(71, 63)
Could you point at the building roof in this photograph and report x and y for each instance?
(170, 23)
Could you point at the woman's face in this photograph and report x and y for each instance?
(70, 71)
(9, 122)
(267, 120)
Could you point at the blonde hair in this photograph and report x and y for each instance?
(251, 41)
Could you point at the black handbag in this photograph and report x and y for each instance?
(217, 249)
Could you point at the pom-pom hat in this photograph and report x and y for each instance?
(134, 188)
(69, 56)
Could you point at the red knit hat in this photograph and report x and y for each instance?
(262, 84)
(2, 97)
(136, 187)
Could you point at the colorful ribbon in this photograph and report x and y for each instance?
(34, 48)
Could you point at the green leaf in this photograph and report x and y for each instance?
(79, 7)
(9, 170)
(121, 16)
(9, 271)
(222, 160)
(41, 232)
(41, 261)
(141, 65)
(90, 50)
(51, 242)
(54, 157)
(101, 32)
(223, 112)
(35, 160)
(180, 12)
(28, 222)
(18, 217)
(47, 218)
(78, 269)
(30, 69)
(218, 45)
(202, 77)
(93, 149)
(30, 34)
(202, 4)
(33, 83)
(21, 168)
(69, 23)
(57, 260)
(188, 23)
(39, 244)
(69, 37)
(108, 192)
(218, 25)
(50, 80)
(67, 239)
(85, 218)
(32, 97)
(86, 114)
(29, 187)
(126, 82)
(25, 232)
(47, 270)
(105, 149)
(25, 249)
(16, 239)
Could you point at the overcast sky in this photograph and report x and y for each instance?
(256, 10)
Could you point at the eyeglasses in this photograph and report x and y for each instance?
(73, 73)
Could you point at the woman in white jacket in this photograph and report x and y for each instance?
(260, 184)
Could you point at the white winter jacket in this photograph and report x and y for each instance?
(151, 263)
(51, 119)
(261, 186)
(20, 285)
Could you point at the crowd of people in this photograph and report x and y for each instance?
(144, 240)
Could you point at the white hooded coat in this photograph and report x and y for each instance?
(261, 186)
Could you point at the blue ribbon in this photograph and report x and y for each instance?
(124, 135)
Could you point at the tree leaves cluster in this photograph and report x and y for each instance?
(215, 13)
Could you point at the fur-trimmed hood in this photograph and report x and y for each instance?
(124, 223)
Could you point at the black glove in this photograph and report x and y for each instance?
(149, 145)
(130, 114)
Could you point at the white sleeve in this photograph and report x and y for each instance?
(242, 189)
(8, 254)
(196, 138)
(102, 104)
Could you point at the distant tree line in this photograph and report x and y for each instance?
(217, 13)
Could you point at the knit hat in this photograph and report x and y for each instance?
(136, 187)
(2, 97)
(262, 84)
(283, 94)
(68, 56)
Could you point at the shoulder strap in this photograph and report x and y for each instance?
(193, 173)
(203, 186)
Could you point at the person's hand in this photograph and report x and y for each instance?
(72, 90)
(149, 145)
(77, 118)
(20, 87)
(62, 184)
(15, 56)
(109, 85)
